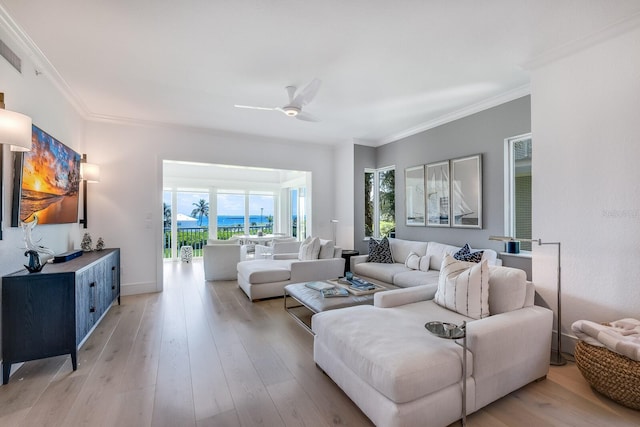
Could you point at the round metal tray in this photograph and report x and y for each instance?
(445, 330)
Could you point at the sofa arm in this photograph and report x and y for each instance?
(357, 260)
(396, 297)
(509, 350)
(317, 269)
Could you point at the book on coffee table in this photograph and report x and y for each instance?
(319, 286)
(344, 284)
(334, 292)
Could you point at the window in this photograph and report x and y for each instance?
(518, 189)
(380, 202)
(185, 220)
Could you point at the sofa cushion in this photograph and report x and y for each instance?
(411, 278)
(491, 256)
(379, 271)
(380, 252)
(467, 254)
(424, 263)
(265, 271)
(400, 248)
(326, 249)
(464, 287)
(437, 251)
(309, 249)
(412, 261)
(508, 289)
(390, 349)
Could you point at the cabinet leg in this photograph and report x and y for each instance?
(6, 370)
(74, 360)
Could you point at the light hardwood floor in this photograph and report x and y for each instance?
(200, 354)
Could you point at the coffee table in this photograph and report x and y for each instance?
(309, 302)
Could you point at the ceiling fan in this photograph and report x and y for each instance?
(296, 102)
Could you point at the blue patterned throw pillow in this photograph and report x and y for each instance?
(465, 254)
(379, 251)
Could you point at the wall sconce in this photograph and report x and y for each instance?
(89, 172)
(556, 357)
(15, 130)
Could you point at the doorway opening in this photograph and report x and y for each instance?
(210, 201)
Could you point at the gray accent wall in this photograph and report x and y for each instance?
(364, 157)
(481, 133)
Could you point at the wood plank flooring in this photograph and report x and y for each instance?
(200, 354)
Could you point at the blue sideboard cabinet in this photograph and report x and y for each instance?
(52, 312)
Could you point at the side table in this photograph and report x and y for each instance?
(454, 332)
(347, 259)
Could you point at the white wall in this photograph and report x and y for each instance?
(586, 186)
(344, 192)
(125, 208)
(36, 97)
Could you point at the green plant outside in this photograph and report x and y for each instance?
(386, 227)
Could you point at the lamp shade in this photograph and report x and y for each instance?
(90, 172)
(15, 130)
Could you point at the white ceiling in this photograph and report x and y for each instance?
(388, 68)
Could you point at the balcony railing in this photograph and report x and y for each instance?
(196, 237)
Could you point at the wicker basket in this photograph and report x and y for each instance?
(612, 374)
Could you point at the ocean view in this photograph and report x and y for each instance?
(231, 220)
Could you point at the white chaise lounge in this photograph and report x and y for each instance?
(400, 375)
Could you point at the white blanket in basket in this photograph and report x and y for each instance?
(622, 337)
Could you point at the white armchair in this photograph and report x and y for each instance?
(220, 261)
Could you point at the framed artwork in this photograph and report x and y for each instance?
(466, 192)
(438, 212)
(414, 195)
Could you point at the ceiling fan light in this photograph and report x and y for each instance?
(291, 111)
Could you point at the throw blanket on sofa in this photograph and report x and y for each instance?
(622, 337)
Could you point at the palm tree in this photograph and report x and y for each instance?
(201, 210)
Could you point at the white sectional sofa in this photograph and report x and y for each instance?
(400, 375)
(398, 274)
(266, 278)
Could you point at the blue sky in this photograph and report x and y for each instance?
(228, 204)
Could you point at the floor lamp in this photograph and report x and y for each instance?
(556, 356)
(334, 224)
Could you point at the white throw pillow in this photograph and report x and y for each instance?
(424, 263)
(326, 249)
(412, 261)
(464, 287)
(309, 249)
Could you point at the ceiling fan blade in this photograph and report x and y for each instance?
(251, 107)
(307, 117)
(291, 91)
(307, 94)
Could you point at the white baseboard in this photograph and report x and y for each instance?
(138, 288)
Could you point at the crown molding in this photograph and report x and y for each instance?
(40, 61)
(485, 104)
(627, 24)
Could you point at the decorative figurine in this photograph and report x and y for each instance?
(86, 243)
(34, 261)
(27, 229)
(100, 244)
